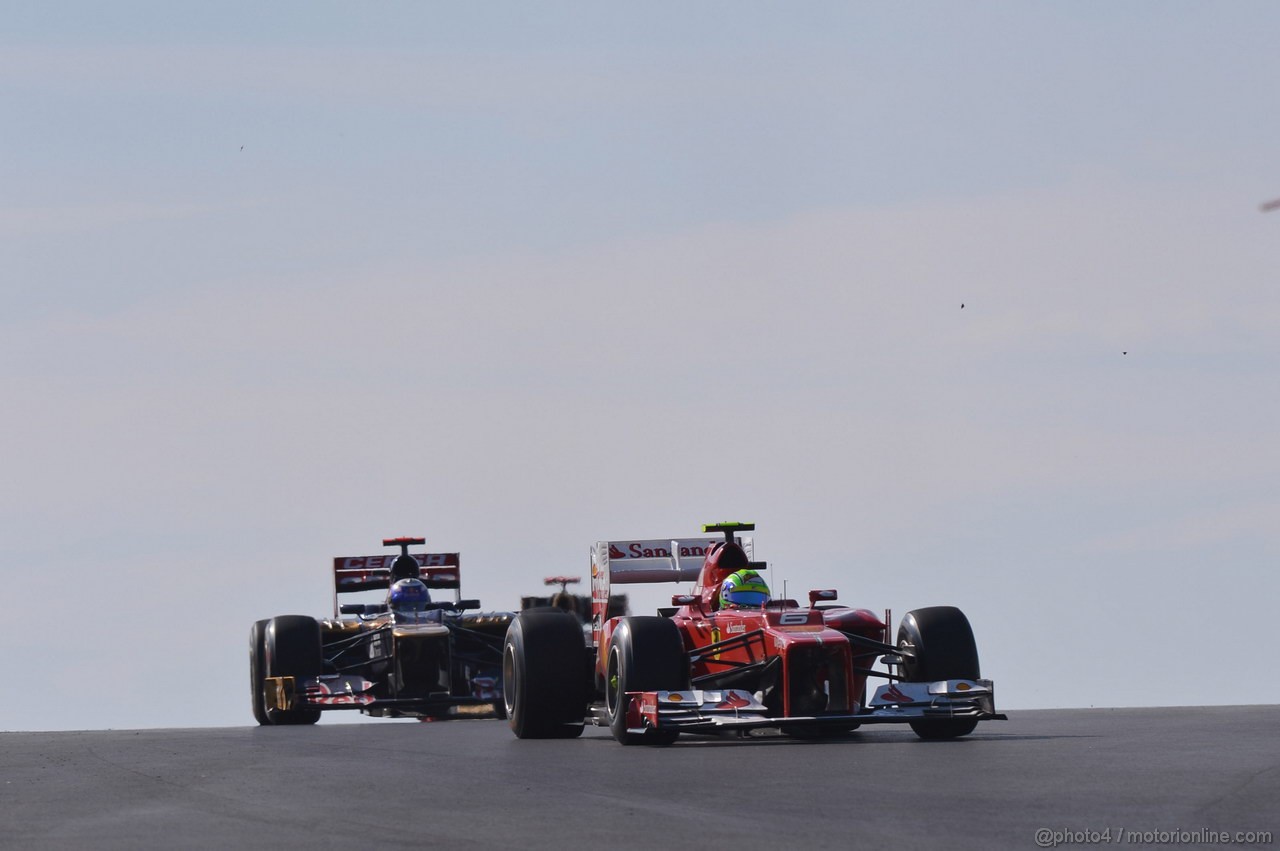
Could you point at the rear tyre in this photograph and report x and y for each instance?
(645, 654)
(943, 648)
(292, 649)
(544, 691)
(257, 670)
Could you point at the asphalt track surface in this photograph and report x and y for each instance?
(471, 784)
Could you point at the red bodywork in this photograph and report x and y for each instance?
(817, 670)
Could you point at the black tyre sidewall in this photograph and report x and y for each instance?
(544, 690)
(257, 670)
(293, 649)
(945, 650)
(647, 654)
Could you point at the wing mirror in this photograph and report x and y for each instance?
(826, 594)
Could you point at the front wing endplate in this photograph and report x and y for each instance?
(323, 692)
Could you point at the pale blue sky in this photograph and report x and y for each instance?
(277, 283)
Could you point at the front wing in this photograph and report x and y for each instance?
(345, 691)
(707, 711)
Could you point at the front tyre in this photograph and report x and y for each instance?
(645, 654)
(941, 647)
(292, 648)
(544, 687)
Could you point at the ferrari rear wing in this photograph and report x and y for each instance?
(643, 561)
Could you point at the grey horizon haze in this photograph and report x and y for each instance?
(276, 283)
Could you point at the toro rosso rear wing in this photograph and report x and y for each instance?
(655, 560)
(373, 573)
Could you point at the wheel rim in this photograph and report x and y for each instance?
(510, 681)
(613, 692)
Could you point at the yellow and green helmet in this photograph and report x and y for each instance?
(743, 589)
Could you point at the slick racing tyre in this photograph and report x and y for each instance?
(292, 649)
(257, 670)
(645, 654)
(544, 675)
(942, 647)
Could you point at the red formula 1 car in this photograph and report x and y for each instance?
(406, 656)
(700, 667)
